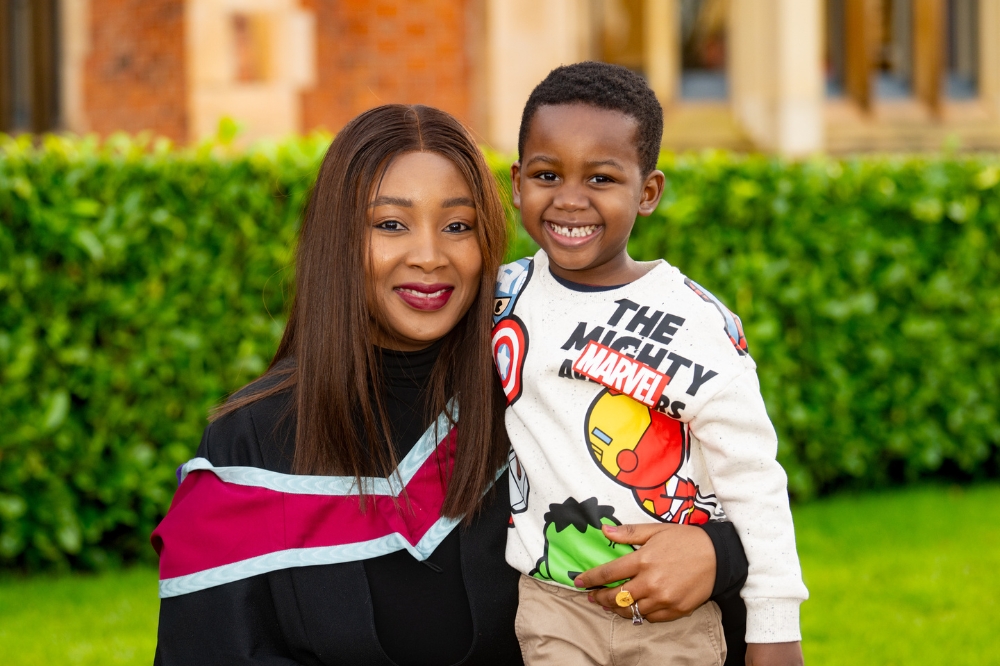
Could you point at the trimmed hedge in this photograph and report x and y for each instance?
(140, 284)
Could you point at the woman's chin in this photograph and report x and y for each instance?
(411, 338)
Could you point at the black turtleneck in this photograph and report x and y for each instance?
(410, 632)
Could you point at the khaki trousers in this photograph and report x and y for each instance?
(556, 625)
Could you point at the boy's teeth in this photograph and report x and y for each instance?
(573, 232)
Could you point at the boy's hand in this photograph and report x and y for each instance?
(670, 576)
(774, 654)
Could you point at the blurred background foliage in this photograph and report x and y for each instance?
(140, 284)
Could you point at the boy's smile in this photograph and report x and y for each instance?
(579, 187)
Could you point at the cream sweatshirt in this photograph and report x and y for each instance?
(632, 404)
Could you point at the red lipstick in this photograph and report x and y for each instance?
(422, 296)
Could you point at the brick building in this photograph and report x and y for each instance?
(792, 76)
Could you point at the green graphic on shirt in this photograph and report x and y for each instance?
(574, 541)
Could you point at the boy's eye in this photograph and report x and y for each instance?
(546, 176)
(390, 225)
(457, 227)
(602, 179)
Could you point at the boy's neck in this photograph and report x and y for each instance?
(620, 270)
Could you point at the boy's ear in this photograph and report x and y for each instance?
(652, 190)
(515, 183)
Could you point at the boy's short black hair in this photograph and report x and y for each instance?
(605, 86)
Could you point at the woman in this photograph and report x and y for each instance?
(349, 455)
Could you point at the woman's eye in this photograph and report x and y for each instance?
(390, 225)
(457, 227)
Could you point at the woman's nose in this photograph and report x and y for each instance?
(426, 251)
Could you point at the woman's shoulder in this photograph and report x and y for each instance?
(260, 433)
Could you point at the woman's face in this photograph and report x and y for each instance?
(425, 261)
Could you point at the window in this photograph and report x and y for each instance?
(703, 49)
(835, 57)
(886, 50)
(250, 48)
(894, 52)
(962, 66)
(29, 83)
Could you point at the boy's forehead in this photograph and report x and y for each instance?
(572, 129)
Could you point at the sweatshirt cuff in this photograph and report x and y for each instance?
(773, 620)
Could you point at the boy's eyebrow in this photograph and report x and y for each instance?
(595, 163)
(608, 162)
(392, 201)
(458, 201)
(542, 158)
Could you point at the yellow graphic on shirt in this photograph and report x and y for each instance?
(615, 426)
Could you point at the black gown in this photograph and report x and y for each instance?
(456, 608)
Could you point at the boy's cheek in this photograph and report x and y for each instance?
(530, 210)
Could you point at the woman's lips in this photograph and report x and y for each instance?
(425, 296)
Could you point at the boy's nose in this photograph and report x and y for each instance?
(570, 199)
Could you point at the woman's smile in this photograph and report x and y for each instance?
(425, 296)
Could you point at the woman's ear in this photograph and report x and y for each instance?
(515, 183)
(652, 190)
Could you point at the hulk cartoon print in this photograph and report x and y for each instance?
(644, 450)
(574, 541)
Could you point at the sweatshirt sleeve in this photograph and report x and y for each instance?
(740, 448)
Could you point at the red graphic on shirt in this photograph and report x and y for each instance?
(510, 346)
(621, 373)
(644, 450)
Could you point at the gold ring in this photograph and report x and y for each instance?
(624, 598)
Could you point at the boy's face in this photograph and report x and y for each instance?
(579, 188)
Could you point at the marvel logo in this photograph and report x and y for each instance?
(621, 374)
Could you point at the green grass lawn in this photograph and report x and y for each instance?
(901, 577)
(105, 619)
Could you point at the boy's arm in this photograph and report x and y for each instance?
(739, 446)
(774, 654)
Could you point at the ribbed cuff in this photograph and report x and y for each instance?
(773, 620)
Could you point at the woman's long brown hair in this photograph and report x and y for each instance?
(331, 329)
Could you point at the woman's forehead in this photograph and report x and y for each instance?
(423, 176)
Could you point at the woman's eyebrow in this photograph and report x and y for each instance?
(392, 201)
(458, 201)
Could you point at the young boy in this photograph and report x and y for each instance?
(632, 396)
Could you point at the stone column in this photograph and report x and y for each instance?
(661, 48)
(989, 55)
(776, 75)
(74, 31)
(525, 40)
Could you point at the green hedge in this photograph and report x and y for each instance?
(137, 287)
(139, 284)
